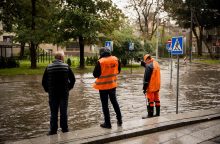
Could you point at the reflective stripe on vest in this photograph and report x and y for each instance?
(109, 71)
(107, 82)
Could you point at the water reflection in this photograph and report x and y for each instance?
(25, 112)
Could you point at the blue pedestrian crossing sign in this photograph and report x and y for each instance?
(109, 44)
(177, 45)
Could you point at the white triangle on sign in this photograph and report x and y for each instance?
(176, 46)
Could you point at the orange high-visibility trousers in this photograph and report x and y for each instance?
(153, 97)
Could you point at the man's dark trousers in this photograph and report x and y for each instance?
(111, 93)
(58, 101)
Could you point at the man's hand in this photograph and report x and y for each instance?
(143, 63)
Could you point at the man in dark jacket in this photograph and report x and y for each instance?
(105, 72)
(57, 80)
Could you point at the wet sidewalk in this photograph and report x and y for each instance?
(201, 126)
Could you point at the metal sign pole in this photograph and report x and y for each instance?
(177, 85)
(170, 56)
(131, 48)
(171, 67)
(131, 65)
(177, 48)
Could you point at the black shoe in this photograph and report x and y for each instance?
(51, 133)
(65, 130)
(104, 125)
(119, 122)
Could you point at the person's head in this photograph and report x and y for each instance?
(59, 55)
(104, 51)
(147, 57)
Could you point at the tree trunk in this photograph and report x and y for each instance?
(22, 50)
(81, 46)
(33, 45)
(197, 37)
(200, 42)
(33, 55)
(210, 52)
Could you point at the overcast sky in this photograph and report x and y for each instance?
(128, 12)
(122, 4)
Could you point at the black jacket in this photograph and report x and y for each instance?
(58, 78)
(147, 75)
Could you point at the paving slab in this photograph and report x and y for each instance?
(202, 135)
(139, 127)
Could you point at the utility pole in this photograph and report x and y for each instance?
(190, 36)
(157, 32)
(162, 36)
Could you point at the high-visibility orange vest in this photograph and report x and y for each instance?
(154, 84)
(109, 71)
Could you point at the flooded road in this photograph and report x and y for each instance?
(24, 110)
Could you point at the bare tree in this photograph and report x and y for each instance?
(147, 12)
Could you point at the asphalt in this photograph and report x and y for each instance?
(200, 126)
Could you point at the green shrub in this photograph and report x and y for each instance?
(3, 62)
(11, 63)
(69, 62)
(91, 60)
(8, 62)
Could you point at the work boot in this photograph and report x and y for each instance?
(150, 111)
(104, 125)
(148, 108)
(157, 110)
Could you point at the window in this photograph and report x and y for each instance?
(7, 39)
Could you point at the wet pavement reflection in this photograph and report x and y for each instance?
(24, 104)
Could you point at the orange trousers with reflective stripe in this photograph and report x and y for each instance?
(153, 97)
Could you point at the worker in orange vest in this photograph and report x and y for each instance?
(105, 72)
(151, 84)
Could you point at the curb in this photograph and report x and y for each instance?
(158, 127)
(129, 129)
